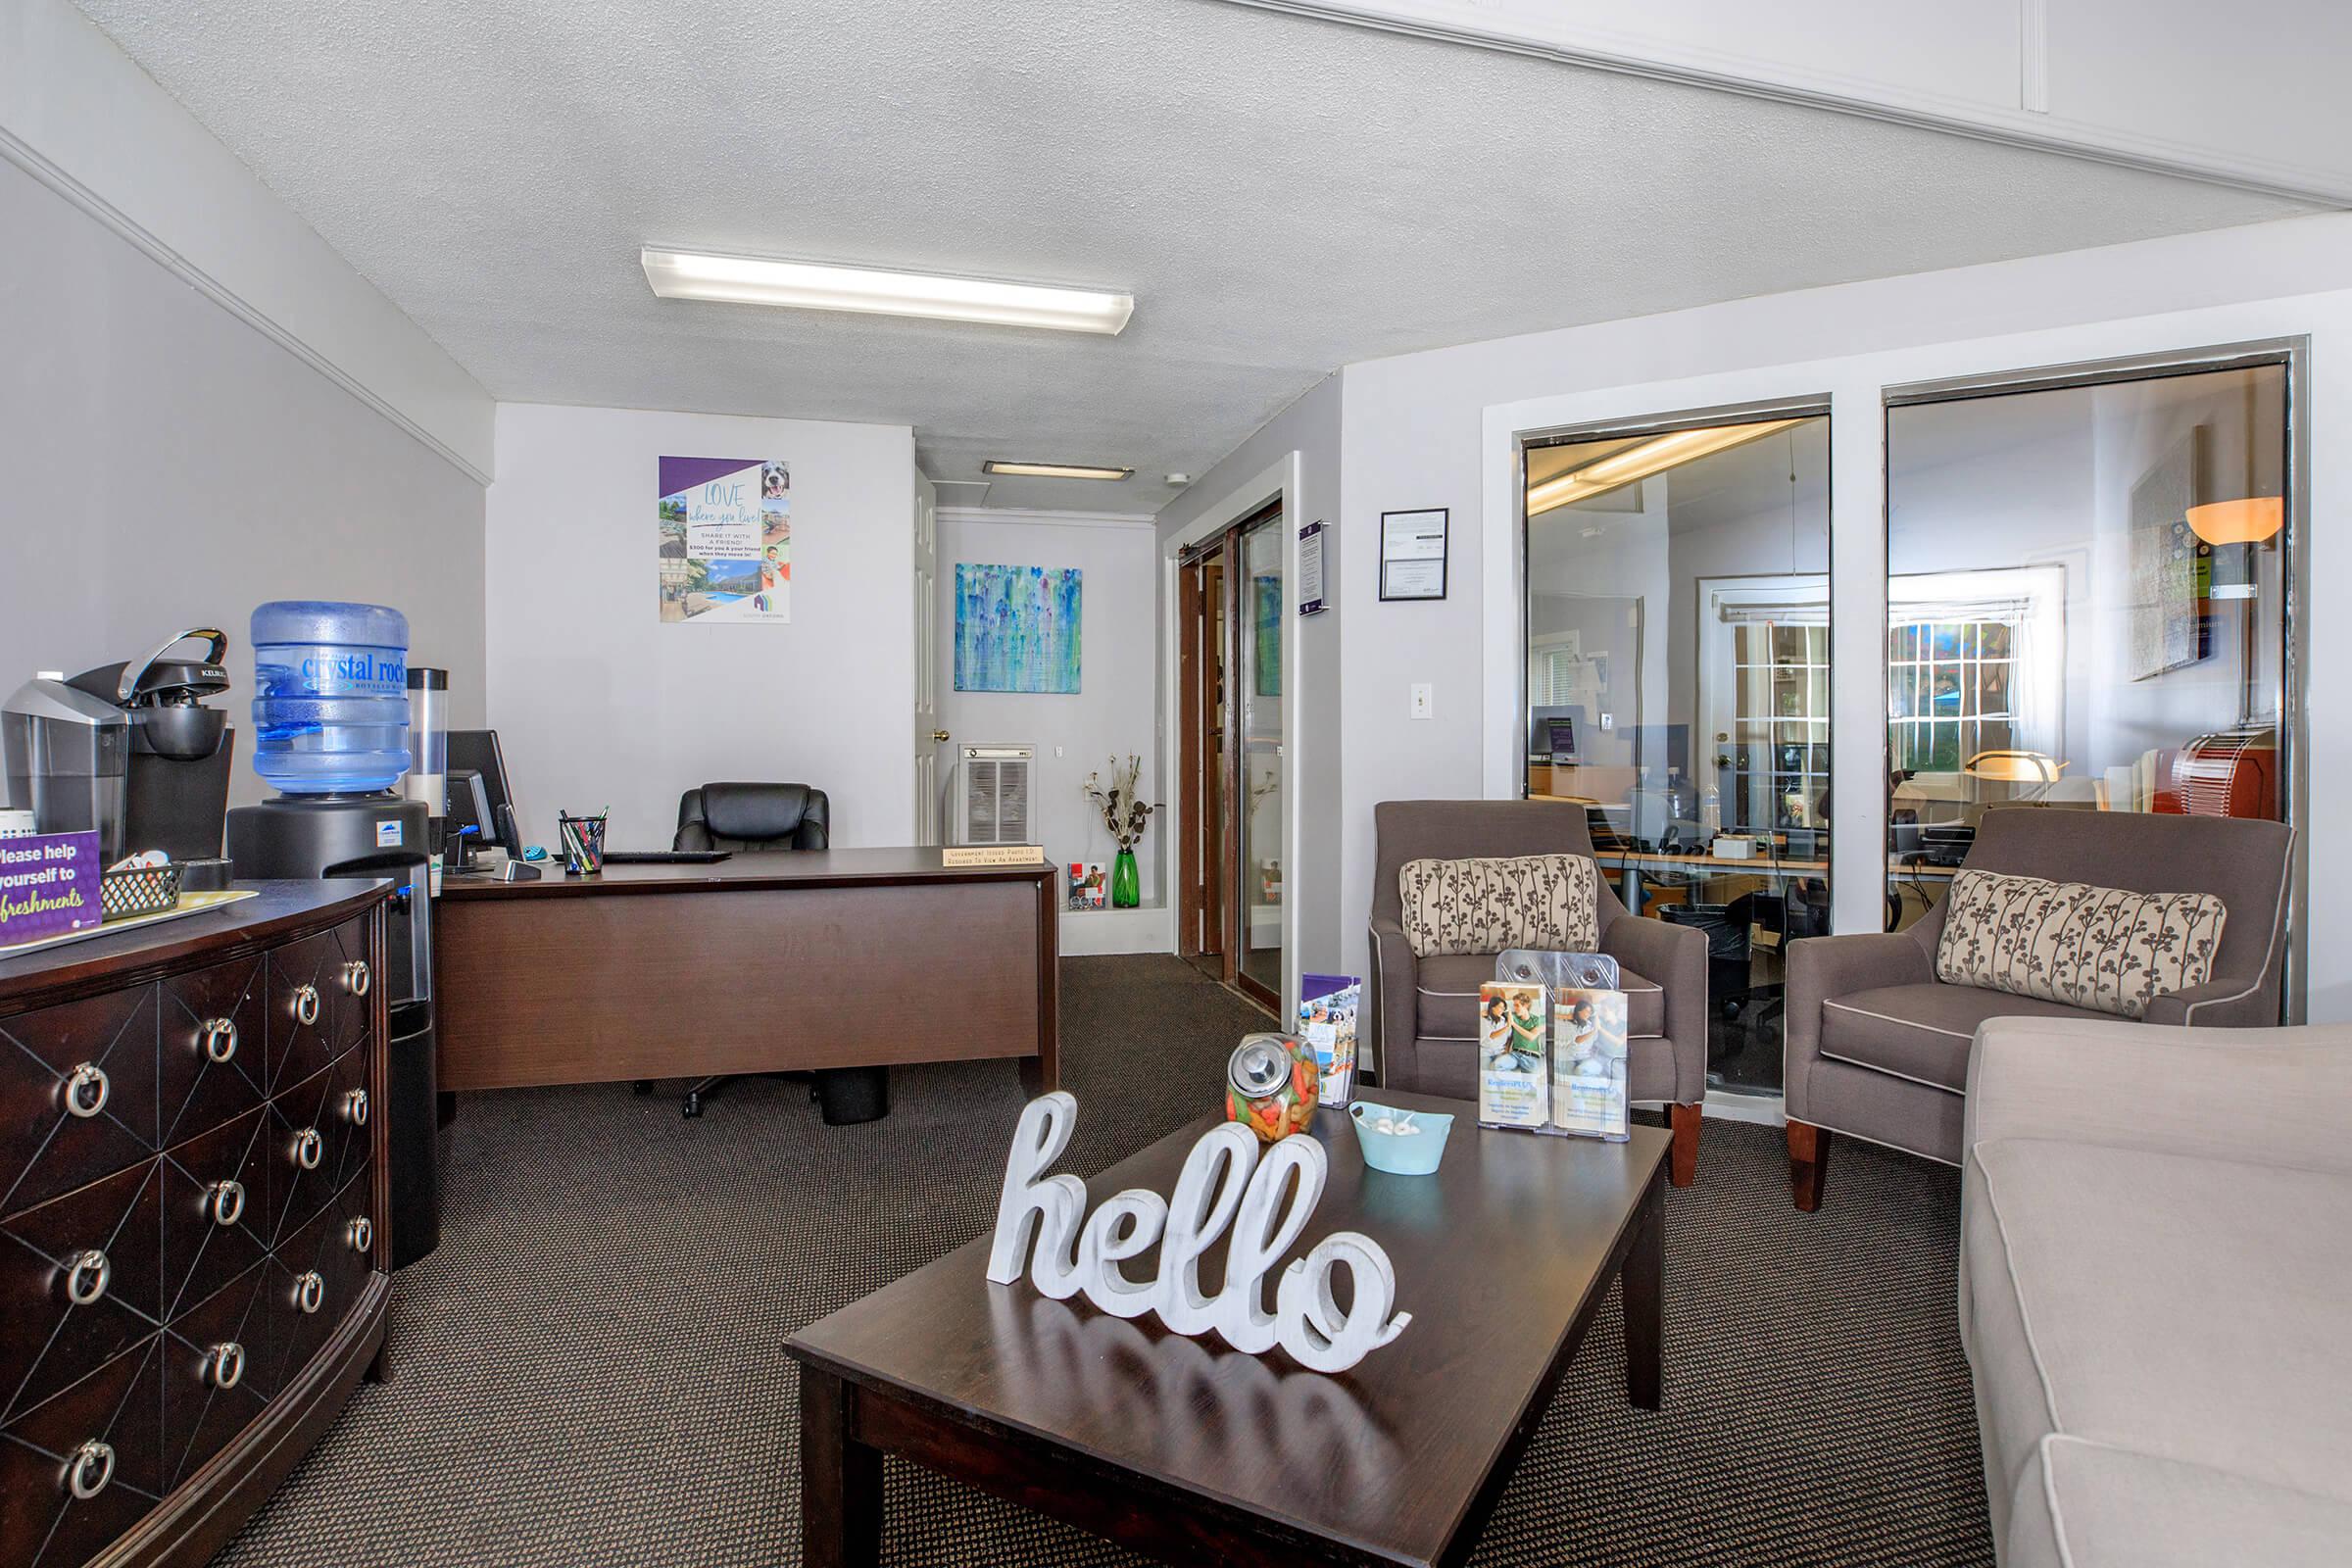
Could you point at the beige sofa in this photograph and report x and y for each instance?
(2156, 1291)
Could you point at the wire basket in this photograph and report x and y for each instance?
(139, 890)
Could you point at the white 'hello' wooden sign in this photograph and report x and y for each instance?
(1224, 1182)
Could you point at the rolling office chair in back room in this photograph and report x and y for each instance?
(777, 817)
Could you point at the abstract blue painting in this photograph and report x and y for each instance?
(1016, 629)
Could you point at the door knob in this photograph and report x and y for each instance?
(939, 735)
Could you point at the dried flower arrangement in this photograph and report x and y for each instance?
(1124, 810)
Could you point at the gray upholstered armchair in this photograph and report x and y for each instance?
(1425, 1010)
(1877, 1047)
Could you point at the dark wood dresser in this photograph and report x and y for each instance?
(193, 1246)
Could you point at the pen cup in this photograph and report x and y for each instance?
(583, 844)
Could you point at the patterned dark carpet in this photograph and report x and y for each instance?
(589, 1370)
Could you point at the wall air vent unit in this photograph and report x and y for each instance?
(994, 794)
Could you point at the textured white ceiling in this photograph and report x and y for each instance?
(1283, 196)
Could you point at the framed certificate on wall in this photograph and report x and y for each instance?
(1412, 555)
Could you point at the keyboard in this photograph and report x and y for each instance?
(665, 857)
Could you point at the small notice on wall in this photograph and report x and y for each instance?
(726, 535)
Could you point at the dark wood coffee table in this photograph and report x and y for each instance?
(1191, 1453)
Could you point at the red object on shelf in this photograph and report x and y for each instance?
(2227, 773)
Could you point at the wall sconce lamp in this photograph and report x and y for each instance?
(2236, 529)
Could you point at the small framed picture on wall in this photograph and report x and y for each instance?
(1413, 553)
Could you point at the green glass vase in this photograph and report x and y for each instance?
(1126, 886)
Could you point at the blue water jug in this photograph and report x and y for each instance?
(330, 704)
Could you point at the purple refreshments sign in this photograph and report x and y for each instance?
(48, 886)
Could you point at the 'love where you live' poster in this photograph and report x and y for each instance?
(726, 539)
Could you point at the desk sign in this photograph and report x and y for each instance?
(48, 886)
(968, 855)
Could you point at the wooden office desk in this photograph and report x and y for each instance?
(759, 963)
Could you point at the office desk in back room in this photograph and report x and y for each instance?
(765, 962)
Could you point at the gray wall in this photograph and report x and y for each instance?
(1310, 426)
(162, 464)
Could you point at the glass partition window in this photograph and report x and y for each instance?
(1678, 689)
(2086, 608)
(1260, 681)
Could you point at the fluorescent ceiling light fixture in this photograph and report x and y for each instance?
(1053, 470)
(821, 286)
(1638, 461)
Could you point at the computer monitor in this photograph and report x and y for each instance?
(469, 804)
(477, 752)
(1554, 734)
(1656, 747)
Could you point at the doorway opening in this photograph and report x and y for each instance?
(1230, 682)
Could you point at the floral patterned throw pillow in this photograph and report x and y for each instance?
(1534, 901)
(2100, 949)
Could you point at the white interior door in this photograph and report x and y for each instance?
(928, 736)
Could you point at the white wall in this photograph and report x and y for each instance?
(77, 114)
(1433, 429)
(162, 464)
(1113, 709)
(599, 704)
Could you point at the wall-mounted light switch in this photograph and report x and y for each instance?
(1424, 704)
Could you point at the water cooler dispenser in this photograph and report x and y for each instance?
(331, 727)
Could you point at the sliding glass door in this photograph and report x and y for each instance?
(1233, 820)
(1261, 680)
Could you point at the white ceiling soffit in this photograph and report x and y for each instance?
(1281, 195)
(2244, 95)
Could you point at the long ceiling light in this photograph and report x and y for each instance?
(1053, 470)
(1636, 463)
(821, 286)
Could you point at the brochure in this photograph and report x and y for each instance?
(1088, 885)
(1514, 1085)
(1589, 1087)
(1328, 1004)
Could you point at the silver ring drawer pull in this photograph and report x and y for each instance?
(90, 1468)
(225, 1364)
(219, 1038)
(310, 1290)
(86, 1090)
(87, 1277)
(355, 977)
(306, 1004)
(308, 1147)
(224, 1202)
(354, 1107)
(360, 1233)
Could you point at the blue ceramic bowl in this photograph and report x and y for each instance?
(1411, 1155)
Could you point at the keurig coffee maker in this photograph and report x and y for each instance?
(177, 768)
(66, 754)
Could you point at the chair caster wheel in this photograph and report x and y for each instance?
(694, 1106)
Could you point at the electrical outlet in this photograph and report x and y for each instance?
(1424, 704)
(1608, 722)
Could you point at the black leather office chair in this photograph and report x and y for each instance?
(753, 816)
(777, 817)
